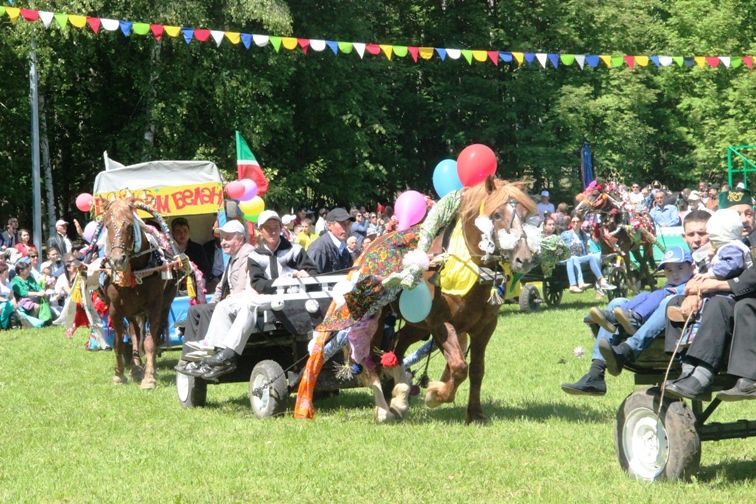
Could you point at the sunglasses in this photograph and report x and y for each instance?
(33, 256)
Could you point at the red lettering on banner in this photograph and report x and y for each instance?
(162, 204)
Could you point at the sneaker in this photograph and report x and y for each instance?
(626, 319)
(575, 289)
(198, 345)
(585, 286)
(604, 285)
(598, 316)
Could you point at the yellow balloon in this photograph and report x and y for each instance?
(252, 207)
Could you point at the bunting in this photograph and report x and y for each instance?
(544, 60)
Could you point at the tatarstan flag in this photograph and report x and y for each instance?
(247, 165)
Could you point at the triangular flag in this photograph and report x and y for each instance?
(289, 43)
(345, 47)
(665, 61)
(426, 53)
(568, 59)
(700, 61)
(276, 43)
(141, 28)
(318, 45)
(172, 31)
(400, 51)
(441, 53)
(201, 34)
(688, 61)
(60, 18)
(217, 37)
(468, 54)
(519, 57)
(529, 57)
(373, 49)
(125, 27)
(30, 15)
(333, 46)
(110, 25)
(413, 52)
(388, 50)
(13, 13)
(453, 53)
(248, 167)
(188, 34)
(494, 57)
(606, 59)
(748, 61)
(542, 58)
(617, 61)
(655, 61)
(725, 61)
(157, 31)
(2, 10)
(630, 61)
(94, 23)
(246, 40)
(641, 61)
(712, 61)
(506, 57)
(260, 40)
(46, 17)
(303, 44)
(679, 60)
(233, 37)
(736, 62)
(592, 60)
(580, 58)
(554, 58)
(78, 21)
(480, 56)
(360, 48)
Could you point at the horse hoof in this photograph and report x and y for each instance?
(137, 374)
(148, 384)
(477, 418)
(431, 397)
(118, 380)
(383, 416)
(400, 402)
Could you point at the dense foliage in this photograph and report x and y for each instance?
(340, 129)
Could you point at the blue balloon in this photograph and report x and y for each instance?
(415, 304)
(445, 178)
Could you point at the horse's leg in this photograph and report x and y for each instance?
(135, 331)
(400, 394)
(150, 348)
(372, 379)
(440, 392)
(478, 343)
(117, 322)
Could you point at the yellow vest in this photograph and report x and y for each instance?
(459, 273)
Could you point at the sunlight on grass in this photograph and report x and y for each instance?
(70, 436)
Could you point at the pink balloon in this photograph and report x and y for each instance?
(475, 163)
(250, 189)
(235, 189)
(84, 202)
(409, 209)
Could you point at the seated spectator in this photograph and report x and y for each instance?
(360, 227)
(180, 231)
(30, 299)
(577, 241)
(306, 234)
(25, 245)
(544, 206)
(712, 202)
(7, 304)
(9, 237)
(663, 214)
(353, 247)
(57, 267)
(553, 249)
(635, 197)
(375, 228)
(561, 218)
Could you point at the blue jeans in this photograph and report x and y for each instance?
(645, 334)
(573, 268)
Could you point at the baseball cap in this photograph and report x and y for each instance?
(232, 226)
(266, 215)
(288, 219)
(61, 222)
(675, 255)
(694, 195)
(545, 193)
(339, 215)
(46, 264)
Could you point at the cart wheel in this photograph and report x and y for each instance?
(268, 389)
(618, 278)
(552, 293)
(651, 447)
(530, 298)
(191, 391)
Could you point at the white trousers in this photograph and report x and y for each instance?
(233, 320)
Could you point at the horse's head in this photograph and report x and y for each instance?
(118, 219)
(499, 211)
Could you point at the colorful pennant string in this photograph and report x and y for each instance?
(202, 35)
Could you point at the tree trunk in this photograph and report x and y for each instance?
(149, 130)
(44, 148)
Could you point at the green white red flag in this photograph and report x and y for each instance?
(248, 167)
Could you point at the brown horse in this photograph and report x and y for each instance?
(127, 251)
(455, 319)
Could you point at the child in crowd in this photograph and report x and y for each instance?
(47, 280)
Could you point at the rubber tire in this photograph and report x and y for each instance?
(275, 395)
(552, 294)
(617, 277)
(190, 391)
(679, 459)
(530, 298)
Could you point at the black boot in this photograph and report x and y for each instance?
(615, 356)
(591, 384)
(219, 364)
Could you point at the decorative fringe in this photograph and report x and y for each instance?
(76, 290)
(495, 298)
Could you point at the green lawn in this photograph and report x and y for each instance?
(69, 435)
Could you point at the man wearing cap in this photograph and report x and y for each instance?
(729, 321)
(545, 206)
(233, 282)
(59, 241)
(329, 252)
(180, 231)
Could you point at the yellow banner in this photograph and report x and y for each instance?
(169, 201)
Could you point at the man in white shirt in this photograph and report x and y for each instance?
(544, 206)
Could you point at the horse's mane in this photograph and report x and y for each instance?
(492, 194)
(119, 210)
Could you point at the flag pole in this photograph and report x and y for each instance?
(36, 186)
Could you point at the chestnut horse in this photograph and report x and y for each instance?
(128, 250)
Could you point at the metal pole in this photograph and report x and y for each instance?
(36, 188)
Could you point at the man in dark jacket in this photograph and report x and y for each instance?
(329, 252)
(196, 253)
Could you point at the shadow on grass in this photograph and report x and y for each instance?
(729, 471)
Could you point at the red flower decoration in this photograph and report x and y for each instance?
(389, 360)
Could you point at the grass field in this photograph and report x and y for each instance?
(69, 435)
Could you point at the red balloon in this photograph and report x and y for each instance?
(235, 189)
(84, 202)
(475, 163)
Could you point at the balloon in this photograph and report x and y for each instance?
(250, 189)
(410, 209)
(445, 178)
(415, 304)
(235, 189)
(251, 218)
(89, 231)
(475, 163)
(84, 202)
(252, 207)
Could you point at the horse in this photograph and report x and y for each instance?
(128, 250)
(453, 318)
(621, 230)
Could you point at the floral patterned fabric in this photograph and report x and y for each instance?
(553, 250)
